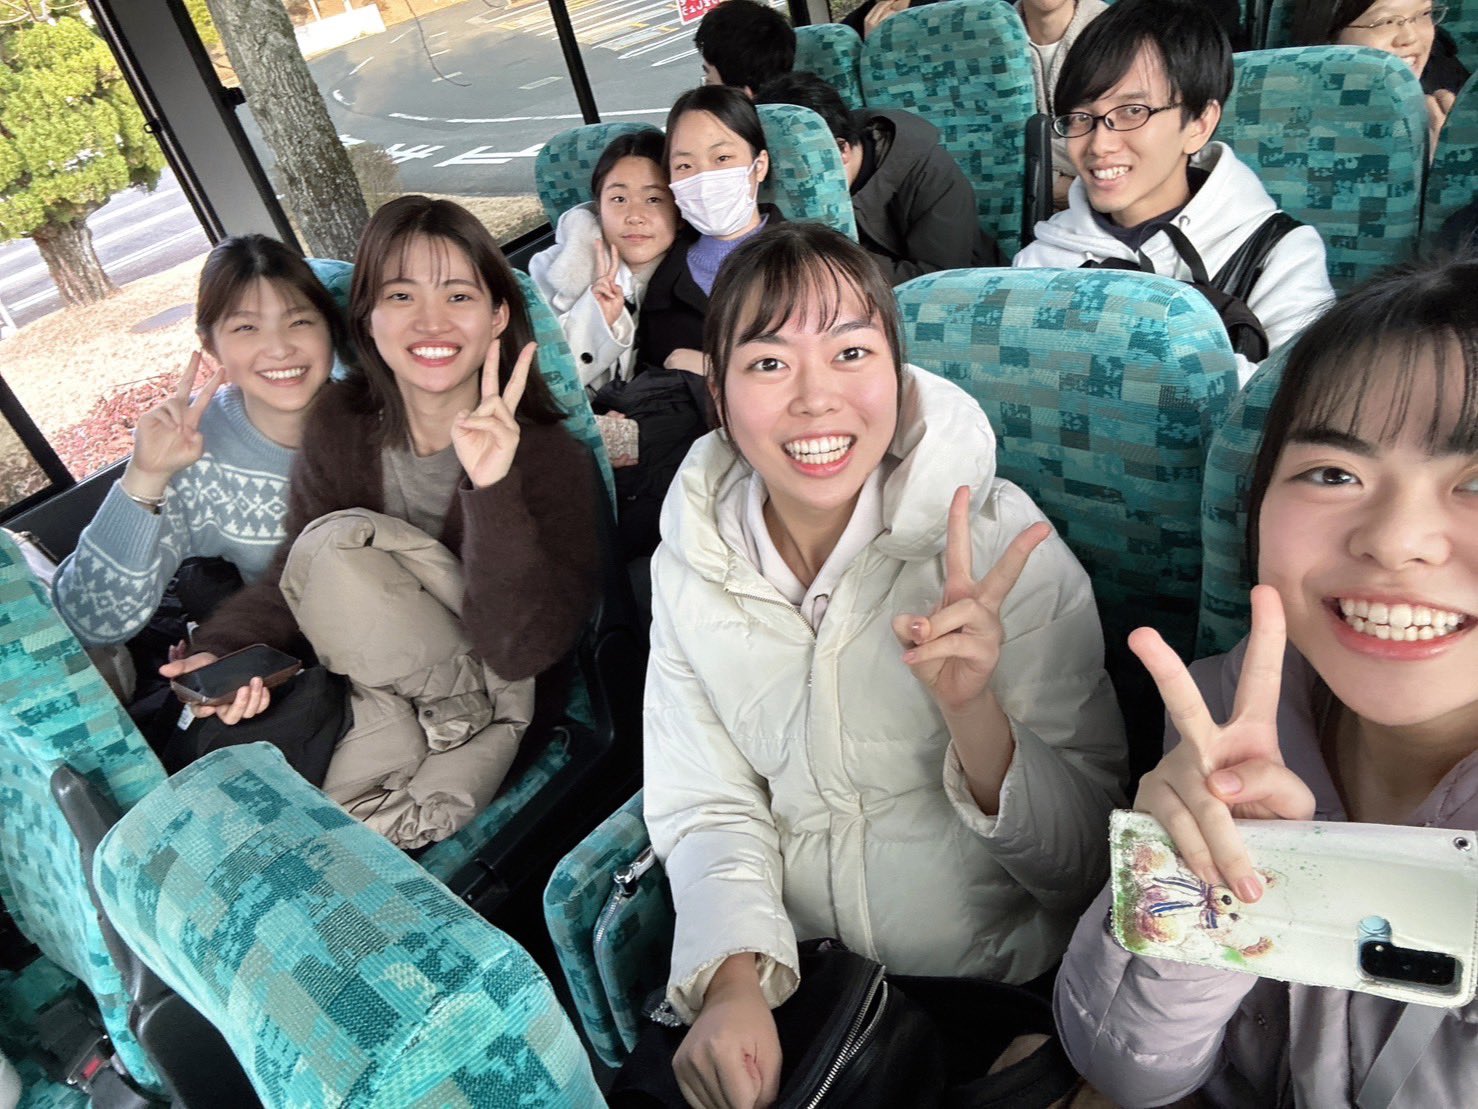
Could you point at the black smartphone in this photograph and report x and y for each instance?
(217, 683)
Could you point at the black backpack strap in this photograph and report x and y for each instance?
(1244, 268)
(1188, 254)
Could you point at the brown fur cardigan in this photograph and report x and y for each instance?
(527, 544)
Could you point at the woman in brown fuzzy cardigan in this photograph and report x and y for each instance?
(448, 427)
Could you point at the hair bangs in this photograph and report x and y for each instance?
(815, 290)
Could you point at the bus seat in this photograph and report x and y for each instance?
(557, 365)
(1461, 23)
(339, 971)
(832, 51)
(563, 166)
(1226, 575)
(1452, 182)
(609, 991)
(1279, 34)
(24, 996)
(1104, 387)
(807, 180)
(1338, 136)
(964, 65)
(70, 762)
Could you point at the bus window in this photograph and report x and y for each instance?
(97, 275)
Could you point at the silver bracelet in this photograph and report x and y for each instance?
(153, 504)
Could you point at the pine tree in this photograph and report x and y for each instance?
(70, 137)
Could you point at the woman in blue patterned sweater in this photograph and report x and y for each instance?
(208, 476)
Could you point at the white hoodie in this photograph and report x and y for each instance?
(1230, 205)
(564, 274)
(801, 782)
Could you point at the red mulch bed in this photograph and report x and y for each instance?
(105, 434)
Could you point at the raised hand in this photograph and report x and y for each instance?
(1218, 772)
(167, 438)
(883, 9)
(606, 289)
(1439, 106)
(954, 650)
(486, 439)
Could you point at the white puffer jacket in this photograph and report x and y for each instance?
(801, 784)
(564, 273)
(1229, 206)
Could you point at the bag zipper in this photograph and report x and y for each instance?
(624, 879)
(857, 1037)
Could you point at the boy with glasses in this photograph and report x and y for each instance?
(1140, 96)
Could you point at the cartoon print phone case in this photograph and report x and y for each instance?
(1382, 909)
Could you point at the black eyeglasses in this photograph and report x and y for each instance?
(1126, 117)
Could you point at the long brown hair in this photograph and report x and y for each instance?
(382, 248)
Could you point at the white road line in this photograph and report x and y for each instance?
(417, 119)
(402, 35)
(439, 53)
(437, 35)
(339, 96)
(554, 119)
(361, 65)
(443, 77)
(115, 264)
(540, 83)
(675, 58)
(640, 50)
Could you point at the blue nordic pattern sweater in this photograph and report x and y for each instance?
(230, 504)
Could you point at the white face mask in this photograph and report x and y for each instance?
(718, 202)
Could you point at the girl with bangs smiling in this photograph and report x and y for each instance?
(876, 707)
(1363, 527)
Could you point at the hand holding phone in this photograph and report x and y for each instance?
(235, 687)
(1222, 771)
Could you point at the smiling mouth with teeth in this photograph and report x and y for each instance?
(1400, 622)
(435, 352)
(285, 375)
(1111, 173)
(820, 451)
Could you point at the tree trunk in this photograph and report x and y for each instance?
(69, 254)
(313, 169)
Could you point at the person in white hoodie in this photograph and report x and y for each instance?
(876, 707)
(1140, 95)
(604, 252)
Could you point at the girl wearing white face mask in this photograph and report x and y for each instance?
(717, 158)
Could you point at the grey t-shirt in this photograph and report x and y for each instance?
(420, 490)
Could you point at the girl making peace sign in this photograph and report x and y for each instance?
(1364, 531)
(876, 707)
(208, 477)
(441, 539)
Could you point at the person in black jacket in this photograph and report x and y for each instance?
(915, 208)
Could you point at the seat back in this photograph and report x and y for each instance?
(1338, 135)
(806, 181)
(563, 166)
(608, 991)
(1227, 575)
(1452, 181)
(1461, 23)
(338, 970)
(964, 65)
(832, 51)
(1103, 387)
(56, 711)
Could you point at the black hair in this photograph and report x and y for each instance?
(1373, 348)
(760, 284)
(382, 250)
(727, 105)
(647, 143)
(749, 43)
(1319, 21)
(1193, 48)
(809, 91)
(236, 263)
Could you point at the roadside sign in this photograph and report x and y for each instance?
(690, 11)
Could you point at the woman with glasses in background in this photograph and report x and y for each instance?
(1406, 28)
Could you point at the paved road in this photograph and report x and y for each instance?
(136, 234)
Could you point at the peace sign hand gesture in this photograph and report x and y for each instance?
(1218, 772)
(954, 650)
(167, 438)
(486, 438)
(607, 289)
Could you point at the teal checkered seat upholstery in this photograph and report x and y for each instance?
(1452, 182)
(832, 51)
(611, 965)
(1226, 576)
(1103, 387)
(1338, 135)
(964, 66)
(338, 970)
(806, 181)
(562, 168)
(56, 711)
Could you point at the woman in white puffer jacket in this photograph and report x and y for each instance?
(800, 780)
